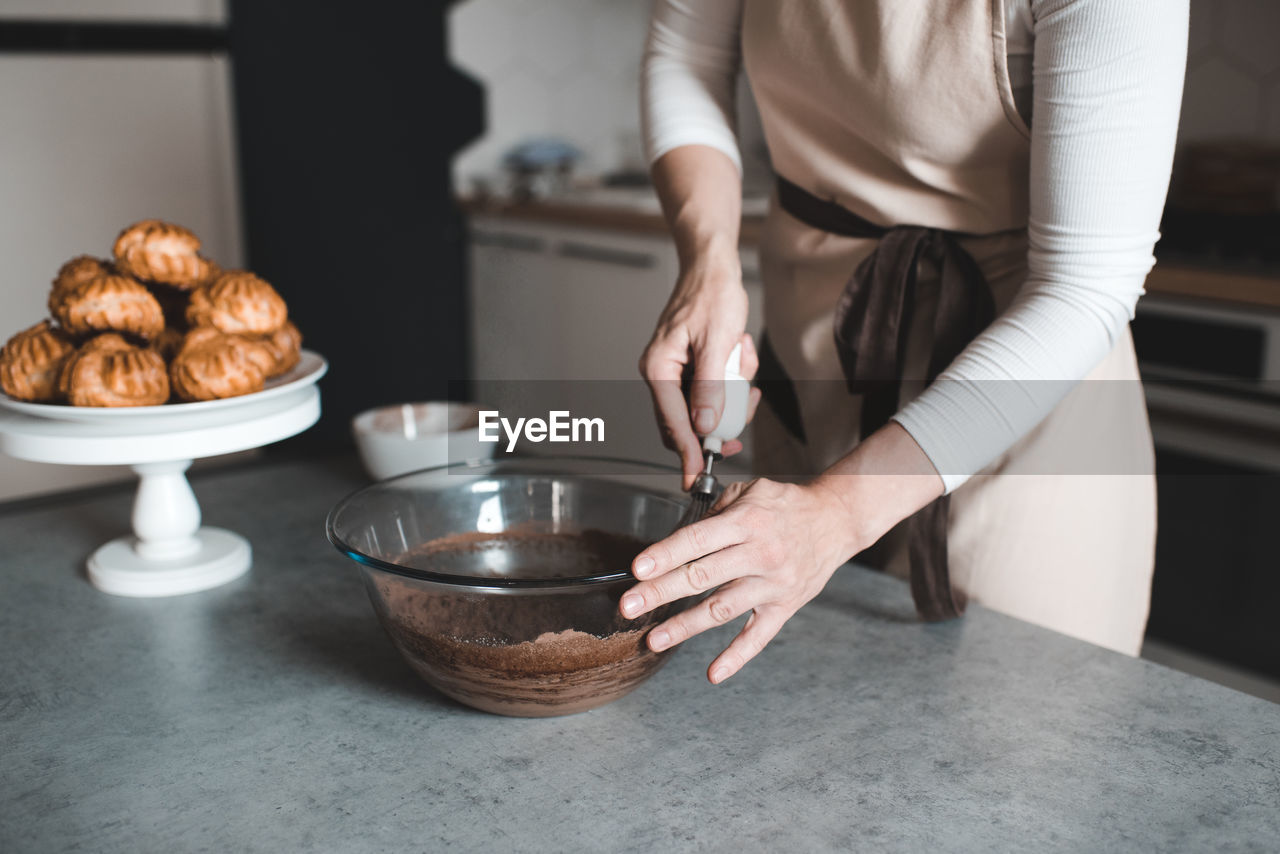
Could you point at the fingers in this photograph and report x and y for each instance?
(750, 362)
(753, 401)
(706, 397)
(681, 422)
(699, 576)
(731, 493)
(727, 603)
(669, 407)
(673, 420)
(735, 446)
(761, 627)
(685, 546)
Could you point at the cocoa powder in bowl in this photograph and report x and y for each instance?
(528, 651)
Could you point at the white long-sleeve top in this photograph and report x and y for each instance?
(1106, 84)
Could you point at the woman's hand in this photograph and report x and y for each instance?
(701, 324)
(701, 193)
(770, 547)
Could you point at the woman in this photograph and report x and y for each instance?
(968, 196)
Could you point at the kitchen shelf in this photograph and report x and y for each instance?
(1205, 283)
(637, 220)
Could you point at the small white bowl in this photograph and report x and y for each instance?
(405, 437)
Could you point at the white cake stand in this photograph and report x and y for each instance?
(169, 552)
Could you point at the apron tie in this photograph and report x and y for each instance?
(873, 320)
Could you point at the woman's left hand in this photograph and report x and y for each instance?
(769, 547)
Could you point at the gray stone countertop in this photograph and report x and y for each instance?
(272, 714)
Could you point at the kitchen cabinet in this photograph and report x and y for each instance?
(553, 303)
(1215, 420)
(573, 308)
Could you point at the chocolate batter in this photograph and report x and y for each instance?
(527, 652)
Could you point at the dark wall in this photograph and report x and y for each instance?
(1217, 581)
(347, 117)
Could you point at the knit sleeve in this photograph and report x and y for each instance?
(691, 63)
(1107, 90)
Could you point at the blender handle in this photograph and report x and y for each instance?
(737, 393)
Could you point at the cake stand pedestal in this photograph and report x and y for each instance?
(169, 553)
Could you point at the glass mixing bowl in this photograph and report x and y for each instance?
(499, 580)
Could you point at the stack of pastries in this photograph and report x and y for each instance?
(159, 322)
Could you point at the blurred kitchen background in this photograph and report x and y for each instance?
(456, 191)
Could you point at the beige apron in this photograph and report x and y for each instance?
(900, 112)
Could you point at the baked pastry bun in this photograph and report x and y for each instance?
(78, 270)
(158, 251)
(251, 347)
(110, 303)
(238, 302)
(215, 270)
(109, 371)
(285, 346)
(212, 365)
(31, 362)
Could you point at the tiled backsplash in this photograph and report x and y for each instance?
(1233, 70)
(570, 68)
(563, 67)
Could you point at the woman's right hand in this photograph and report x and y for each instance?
(702, 322)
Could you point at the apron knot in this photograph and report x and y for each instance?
(875, 313)
(873, 320)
